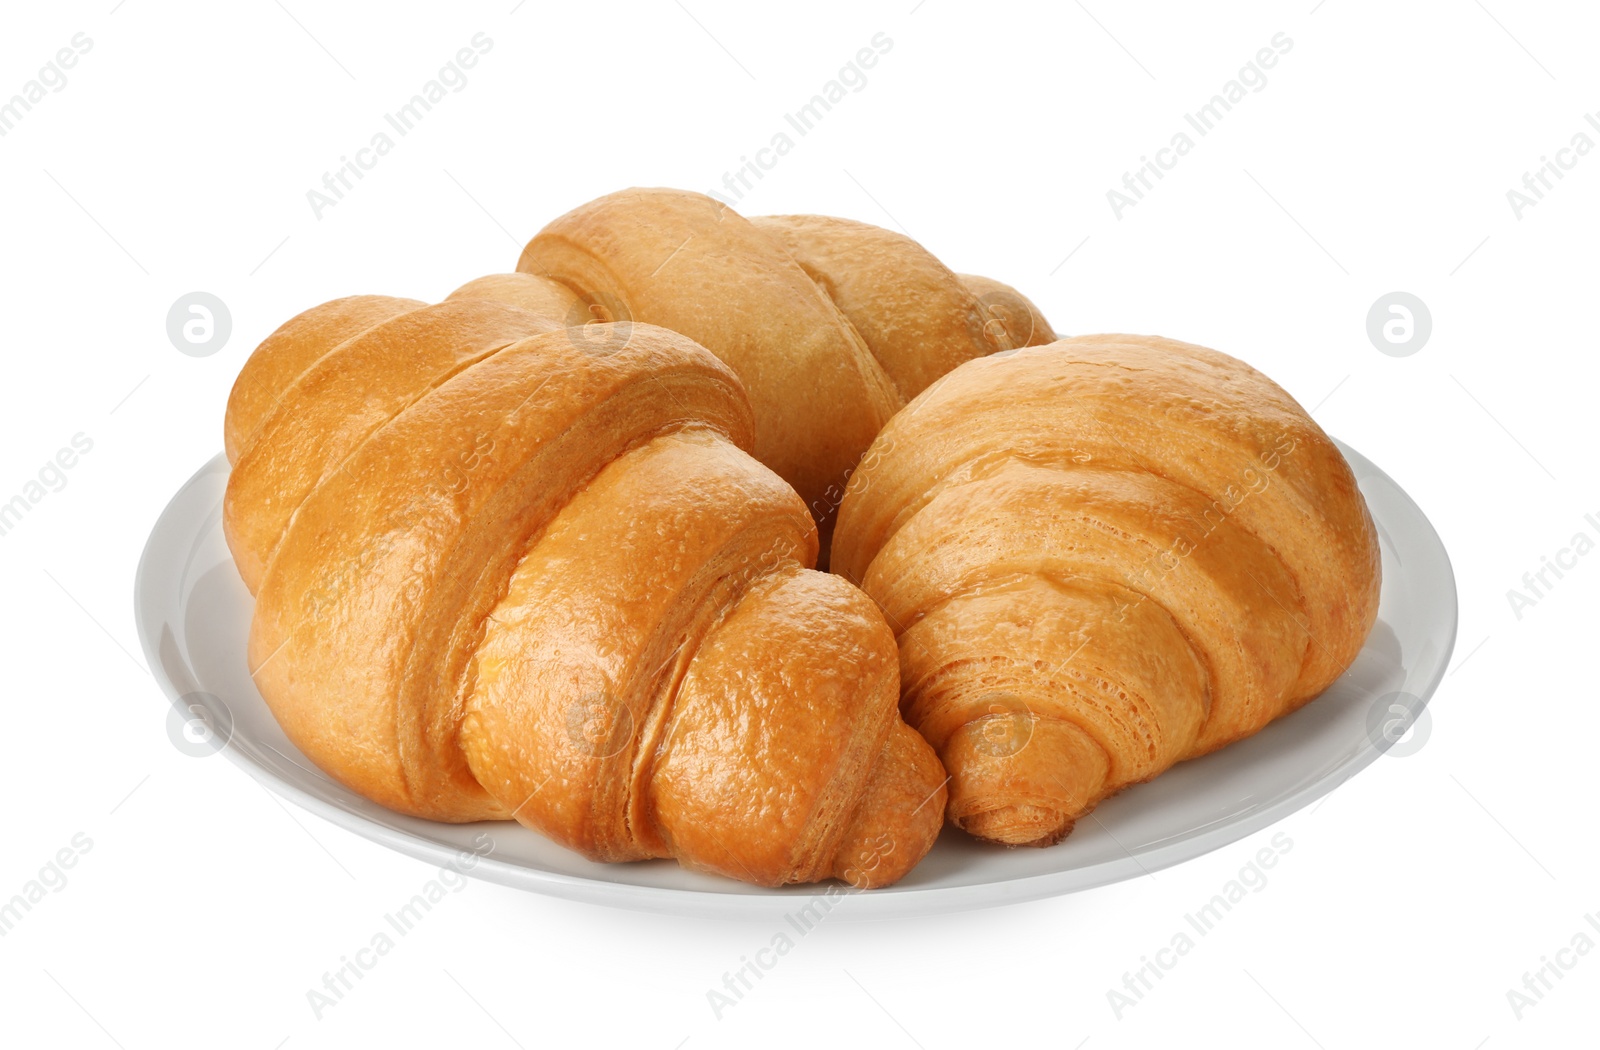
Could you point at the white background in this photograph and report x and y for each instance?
(1377, 158)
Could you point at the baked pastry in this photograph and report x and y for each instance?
(832, 325)
(1101, 557)
(508, 569)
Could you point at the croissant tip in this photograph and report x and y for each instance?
(1017, 825)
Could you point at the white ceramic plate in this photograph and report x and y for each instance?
(194, 613)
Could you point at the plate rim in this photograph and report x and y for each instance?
(760, 902)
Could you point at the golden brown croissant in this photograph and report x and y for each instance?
(508, 569)
(1101, 557)
(832, 325)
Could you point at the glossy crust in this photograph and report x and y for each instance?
(289, 351)
(505, 568)
(832, 325)
(341, 399)
(1100, 557)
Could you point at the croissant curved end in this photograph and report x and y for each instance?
(510, 569)
(1103, 556)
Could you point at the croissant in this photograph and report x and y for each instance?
(832, 325)
(1101, 557)
(508, 569)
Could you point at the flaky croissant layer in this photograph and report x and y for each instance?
(1100, 557)
(509, 569)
